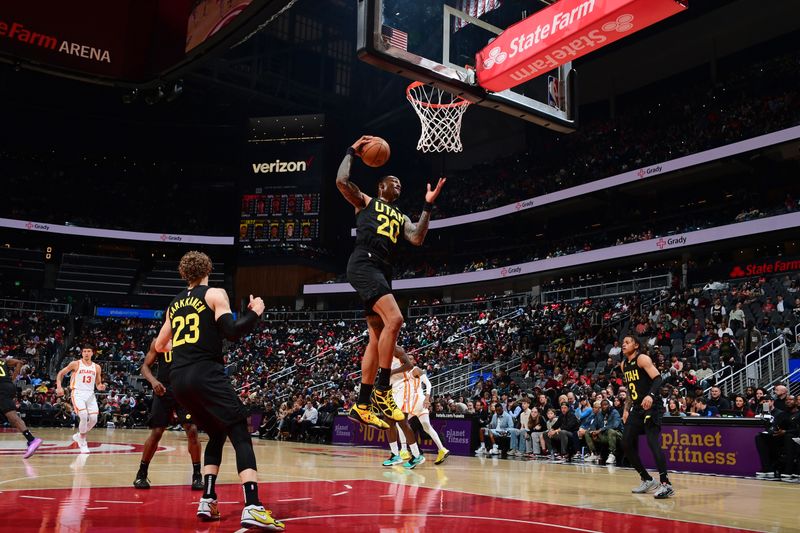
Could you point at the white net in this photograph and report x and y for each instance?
(440, 114)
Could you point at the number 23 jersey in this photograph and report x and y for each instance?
(195, 337)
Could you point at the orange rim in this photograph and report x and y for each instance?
(457, 103)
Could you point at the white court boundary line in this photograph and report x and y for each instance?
(582, 507)
(487, 518)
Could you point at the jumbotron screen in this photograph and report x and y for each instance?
(282, 184)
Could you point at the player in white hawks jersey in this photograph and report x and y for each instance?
(413, 396)
(86, 375)
(401, 363)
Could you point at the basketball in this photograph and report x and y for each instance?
(375, 153)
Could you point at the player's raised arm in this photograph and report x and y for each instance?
(350, 190)
(415, 233)
(218, 300)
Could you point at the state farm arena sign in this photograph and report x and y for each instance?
(98, 37)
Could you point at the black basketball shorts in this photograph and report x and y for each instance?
(370, 276)
(8, 394)
(163, 407)
(205, 391)
(639, 420)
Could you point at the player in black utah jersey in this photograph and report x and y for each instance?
(643, 412)
(164, 405)
(8, 404)
(379, 223)
(197, 320)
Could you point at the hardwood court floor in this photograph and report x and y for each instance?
(315, 487)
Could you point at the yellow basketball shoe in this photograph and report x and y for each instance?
(405, 455)
(443, 454)
(256, 517)
(384, 401)
(364, 415)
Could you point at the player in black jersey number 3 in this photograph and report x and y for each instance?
(164, 405)
(197, 320)
(379, 223)
(643, 412)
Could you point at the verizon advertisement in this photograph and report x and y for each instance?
(561, 33)
(281, 195)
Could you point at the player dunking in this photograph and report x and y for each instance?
(196, 321)
(369, 270)
(164, 405)
(8, 405)
(85, 376)
(643, 412)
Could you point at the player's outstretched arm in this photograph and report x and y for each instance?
(415, 233)
(350, 190)
(233, 329)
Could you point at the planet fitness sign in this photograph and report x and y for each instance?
(708, 449)
(455, 433)
(561, 33)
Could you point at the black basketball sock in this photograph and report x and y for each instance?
(195, 469)
(143, 468)
(364, 394)
(383, 378)
(27, 434)
(251, 493)
(209, 481)
(664, 479)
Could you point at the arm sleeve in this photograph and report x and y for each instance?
(426, 384)
(656, 387)
(231, 329)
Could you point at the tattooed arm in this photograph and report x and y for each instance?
(350, 190)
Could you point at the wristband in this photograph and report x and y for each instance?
(428, 207)
(351, 150)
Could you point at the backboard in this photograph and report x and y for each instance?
(435, 41)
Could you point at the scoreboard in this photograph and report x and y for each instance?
(275, 218)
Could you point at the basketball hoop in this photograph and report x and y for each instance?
(440, 114)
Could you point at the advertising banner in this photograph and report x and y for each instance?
(126, 312)
(561, 33)
(707, 449)
(456, 434)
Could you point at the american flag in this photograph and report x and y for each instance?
(395, 37)
(475, 8)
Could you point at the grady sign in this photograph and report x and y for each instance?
(562, 32)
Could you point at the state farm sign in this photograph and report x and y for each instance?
(561, 33)
(765, 267)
